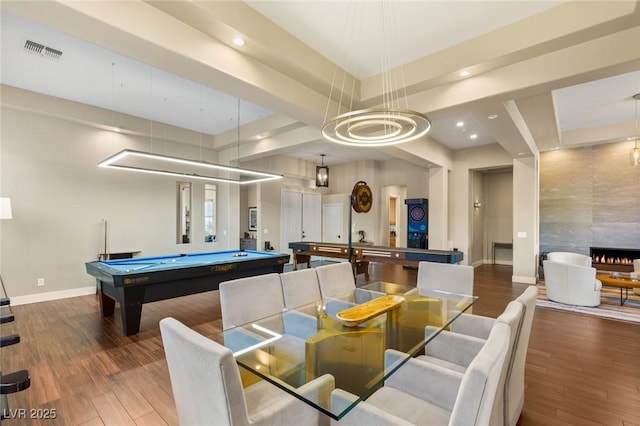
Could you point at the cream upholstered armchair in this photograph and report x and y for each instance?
(207, 388)
(570, 258)
(569, 278)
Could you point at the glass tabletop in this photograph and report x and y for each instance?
(344, 336)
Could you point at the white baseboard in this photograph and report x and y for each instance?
(498, 262)
(523, 279)
(52, 295)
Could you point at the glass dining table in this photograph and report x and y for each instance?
(346, 336)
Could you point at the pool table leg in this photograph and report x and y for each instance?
(131, 309)
(107, 304)
(130, 300)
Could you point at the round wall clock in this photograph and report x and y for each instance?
(361, 197)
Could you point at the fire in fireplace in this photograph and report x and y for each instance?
(613, 259)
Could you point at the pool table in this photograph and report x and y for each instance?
(132, 282)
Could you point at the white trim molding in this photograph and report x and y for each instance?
(52, 295)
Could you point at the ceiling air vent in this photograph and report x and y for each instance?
(42, 50)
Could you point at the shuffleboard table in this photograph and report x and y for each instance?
(132, 282)
(362, 254)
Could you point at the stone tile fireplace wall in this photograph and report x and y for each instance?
(589, 197)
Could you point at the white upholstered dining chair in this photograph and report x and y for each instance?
(262, 292)
(207, 388)
(449, 277)
(300, 287)
(250, 299)
(423, 393)
(456, 351)
(335, 278)
(479, 327)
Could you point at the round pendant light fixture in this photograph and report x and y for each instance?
(376, 127)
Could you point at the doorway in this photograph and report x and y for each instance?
(393, 215)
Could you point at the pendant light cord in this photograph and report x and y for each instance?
(636, 97)
(238, 161)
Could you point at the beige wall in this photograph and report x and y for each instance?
(478, 252)
(498, 207)
(525, 220)
(60, 199)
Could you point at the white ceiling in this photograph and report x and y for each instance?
(352, 35)
(423, 35)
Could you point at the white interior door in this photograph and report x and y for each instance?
(332, 223)
(311, 216)
(291, 219)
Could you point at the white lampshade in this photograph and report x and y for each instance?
(5, 208)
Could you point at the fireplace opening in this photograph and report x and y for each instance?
(613, 259)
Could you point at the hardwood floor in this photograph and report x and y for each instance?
(580, 370)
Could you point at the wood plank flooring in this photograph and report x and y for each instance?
(580, 370)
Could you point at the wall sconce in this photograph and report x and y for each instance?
(477, 205)
(322, 175)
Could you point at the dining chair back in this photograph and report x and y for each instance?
(514, 389)
(201, 372)
(449, 277)
(481, 387)
(335, 278)
(207, 386)
(248, 299)
(300, 287)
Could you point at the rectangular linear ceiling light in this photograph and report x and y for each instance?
(146, 162)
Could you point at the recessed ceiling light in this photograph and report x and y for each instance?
(492, 116)
(460, 124)
(464, 73)
(473, 136)
(238, 41)
(520, 153)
